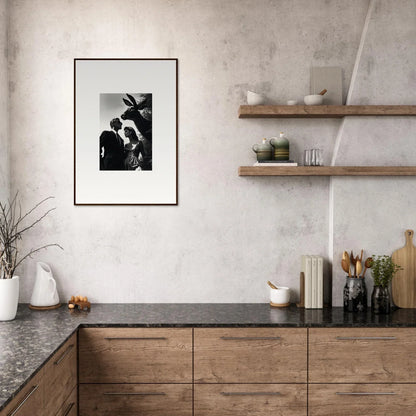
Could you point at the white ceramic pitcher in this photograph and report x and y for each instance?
(44, 291)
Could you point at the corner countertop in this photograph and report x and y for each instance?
(27, 342)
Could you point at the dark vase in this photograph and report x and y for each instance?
(355, 294)
(380, 300)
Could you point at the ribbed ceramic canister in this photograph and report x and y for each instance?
(280, 147)
(263, 150)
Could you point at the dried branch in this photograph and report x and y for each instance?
(33, 251)
(12, 230)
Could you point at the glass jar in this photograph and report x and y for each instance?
(380, 300)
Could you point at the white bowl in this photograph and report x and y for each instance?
(280, 296)
(314, 99)
(292, 102)
(253, 98)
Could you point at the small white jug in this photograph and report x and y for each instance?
(44, 291)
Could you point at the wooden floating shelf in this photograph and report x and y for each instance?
(327, 171)
(323, 111)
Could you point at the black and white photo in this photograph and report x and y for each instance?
(125, 141)
(125, 131)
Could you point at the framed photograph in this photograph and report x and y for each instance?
(126, 131)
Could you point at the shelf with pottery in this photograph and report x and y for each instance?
(327, 171)
(323, 111)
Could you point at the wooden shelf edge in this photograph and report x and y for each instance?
(323, 111)
(327, 171)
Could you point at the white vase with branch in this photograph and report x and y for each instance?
(13, 225)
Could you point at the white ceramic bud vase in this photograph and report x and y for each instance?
(9, 298)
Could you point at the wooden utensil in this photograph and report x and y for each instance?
(346, 266)
(367, 265)
(352, 258)
(404, 281)
(271, 284)
(346, 258)
(358, 268)
(357, 259)
(323, 92)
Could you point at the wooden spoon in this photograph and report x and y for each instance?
(367, 265)
(345, 263)
(271, 284)
(323, 92)
(345, 266)
(358, 267)
(357, 259)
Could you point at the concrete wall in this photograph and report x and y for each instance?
(373, 213)
(4, 110)
(229, 234)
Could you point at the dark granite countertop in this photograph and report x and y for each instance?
(32, 338)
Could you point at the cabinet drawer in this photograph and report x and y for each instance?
(29, 401)
(135, 355)
(70, 406)
(340, 355)
(250, 399)
(60, 376)
(134, 399)
(250, 355)
(362, 399)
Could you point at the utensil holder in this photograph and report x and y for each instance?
(355, 294)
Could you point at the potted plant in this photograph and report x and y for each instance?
(13, 224)
(383, 270)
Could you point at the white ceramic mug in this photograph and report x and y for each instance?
(280, 296)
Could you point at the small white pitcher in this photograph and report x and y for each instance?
(44, 291)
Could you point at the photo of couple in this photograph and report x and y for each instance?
(134, 151)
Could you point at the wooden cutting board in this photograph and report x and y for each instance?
(404, 281)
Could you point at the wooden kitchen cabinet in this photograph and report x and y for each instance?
(70, 405)
(135, 355)
(135, 399)
(250, 355)
(250, 399)
(29, 401)
(362, 399)
(362, 355)
(60, 377)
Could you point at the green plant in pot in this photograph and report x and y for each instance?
(383, 270)
(13, 225)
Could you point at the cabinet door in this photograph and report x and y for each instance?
(60, 376)
(29, 401)
(250, 399)
(250, 355)
(135, 399)
(70, 405)
(362, 355)
(135, 355)
(362, 399)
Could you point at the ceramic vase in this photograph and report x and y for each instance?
(355, 294)
(263, 150)
(280, 147)
(380, 300)
(9, 298)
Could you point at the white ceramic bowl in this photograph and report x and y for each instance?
(253, 98)
(314, 99)
(280, 296)
(292, 102)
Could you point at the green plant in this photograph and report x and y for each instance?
(13, 224)
(383, 270)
